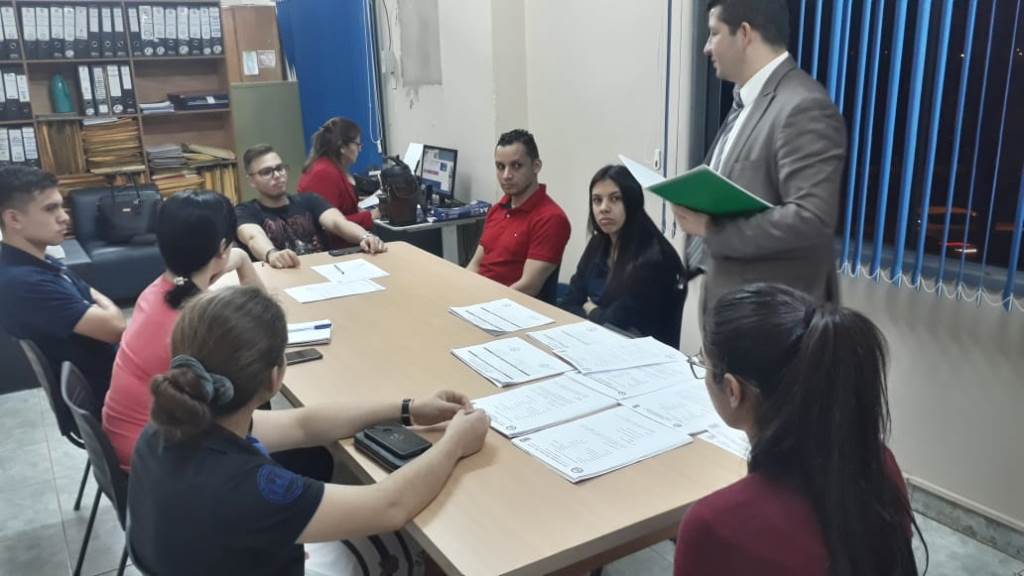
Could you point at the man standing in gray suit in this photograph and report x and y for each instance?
(783, 141)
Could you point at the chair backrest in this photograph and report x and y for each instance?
(549, 291)
(43, 373)
(112, 480)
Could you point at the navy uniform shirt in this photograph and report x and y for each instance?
(216, 505)
(43, 301)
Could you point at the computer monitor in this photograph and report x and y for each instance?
(437, 170)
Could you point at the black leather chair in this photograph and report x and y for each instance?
(113, 482)
(121, 271)
(549, 291)
(44, 377)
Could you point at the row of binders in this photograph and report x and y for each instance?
(14, 96)
(175, 30)
(18, 145)
(106, 89)
(101, 31)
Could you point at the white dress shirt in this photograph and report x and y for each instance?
(748, 94)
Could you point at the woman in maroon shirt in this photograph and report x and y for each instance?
(336, 146)
(824, 495)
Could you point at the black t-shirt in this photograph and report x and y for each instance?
(295, 226)
(217, 505)
(43, 301)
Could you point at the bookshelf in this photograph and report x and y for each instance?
(153, 78)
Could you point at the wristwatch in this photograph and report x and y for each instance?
(407, 412)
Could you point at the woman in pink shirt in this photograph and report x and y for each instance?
(195, 232)
(336, 147)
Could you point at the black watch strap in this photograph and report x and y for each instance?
(407, 412)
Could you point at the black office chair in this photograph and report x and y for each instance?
(65, 423)
(111, 479)
(549, 291)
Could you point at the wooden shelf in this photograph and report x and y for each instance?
(77, 60)
(187, 113)
(77, 118)
(141, 59)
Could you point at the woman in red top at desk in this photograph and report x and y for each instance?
(336, 146)
(824, 495)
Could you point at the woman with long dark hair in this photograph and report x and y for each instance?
(195, 234)
(336, 147)
(824, 495)
(205, 497)
(629, 274)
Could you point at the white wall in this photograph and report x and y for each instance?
(461, 112)
(587, 77)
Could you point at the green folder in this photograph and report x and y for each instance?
(704, 190)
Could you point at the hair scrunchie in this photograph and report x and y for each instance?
(219, 388)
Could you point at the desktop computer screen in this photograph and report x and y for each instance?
(437, 170)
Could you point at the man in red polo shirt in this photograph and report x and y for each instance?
(524, 234)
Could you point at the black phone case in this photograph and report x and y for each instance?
(401, 442)
(289, 362)
(378, 454)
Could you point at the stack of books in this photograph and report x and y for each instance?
(112, 145)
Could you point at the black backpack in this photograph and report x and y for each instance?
(402, 192)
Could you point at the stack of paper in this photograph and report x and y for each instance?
(112, 146)
(619, 355)
(730, 439)
(330, 290)
(631, 382)
(598, 444)
(509, 361)
(573, 335)
(500, 316)
(309, 333)
(541, 405)
(165, 156)
(162, 107)
(686, 408)
(350, 271)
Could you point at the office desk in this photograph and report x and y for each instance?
(502, 512)
(448, 228)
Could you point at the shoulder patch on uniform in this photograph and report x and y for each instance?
(277, 485)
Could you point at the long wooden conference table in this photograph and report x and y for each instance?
(502, 511)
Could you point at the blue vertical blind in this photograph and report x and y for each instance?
(934, 194)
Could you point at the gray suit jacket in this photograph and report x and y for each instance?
(790, 151)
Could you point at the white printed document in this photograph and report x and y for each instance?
(510, 361)
(309, 333)
(573, 335)
(600, 443)
(330, 290)
(350, 271)
(536, 406)
(685, 408)
(730, 439)
(628, 353)
(500, 316)
(622, 384)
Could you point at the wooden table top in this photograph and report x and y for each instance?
(502, 511)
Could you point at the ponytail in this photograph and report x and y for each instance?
(329, 138)
(184, 288)
(822, 420)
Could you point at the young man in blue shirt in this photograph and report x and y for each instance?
(40, 299)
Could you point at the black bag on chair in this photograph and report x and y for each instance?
(125, 215)
(402, 192)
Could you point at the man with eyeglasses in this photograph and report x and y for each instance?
(278, 227)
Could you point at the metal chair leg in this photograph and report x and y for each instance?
(81, 487)
(88, 533)
(124, 558)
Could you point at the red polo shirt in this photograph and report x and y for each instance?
(536, 230)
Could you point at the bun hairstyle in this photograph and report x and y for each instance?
(225, 345)
(330, 138)
(192, 228)
(822, 418)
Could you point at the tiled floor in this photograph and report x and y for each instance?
(40, 534)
